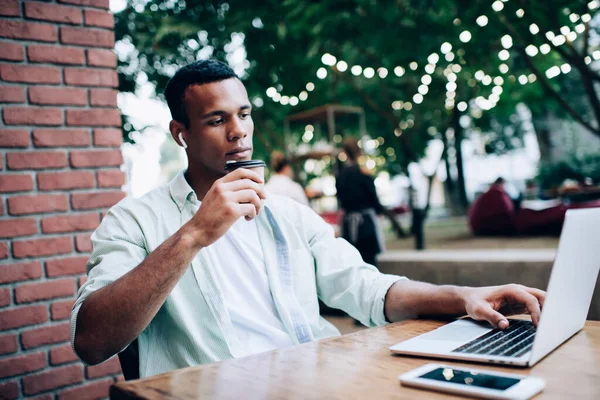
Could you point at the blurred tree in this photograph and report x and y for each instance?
(422, 69)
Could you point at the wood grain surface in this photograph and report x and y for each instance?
(359, 366)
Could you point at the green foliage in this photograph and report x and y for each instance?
(285, 39)
(579, 169)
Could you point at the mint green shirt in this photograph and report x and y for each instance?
(304, 262)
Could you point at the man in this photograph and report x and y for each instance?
(181, 270)
(493, 212)
(281, 182)
(358, 198)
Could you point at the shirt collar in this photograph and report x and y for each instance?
(181, 191)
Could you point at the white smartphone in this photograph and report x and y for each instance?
(472, 382)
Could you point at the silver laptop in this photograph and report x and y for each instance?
(567, 303)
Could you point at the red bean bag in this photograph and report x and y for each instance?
(492, 213)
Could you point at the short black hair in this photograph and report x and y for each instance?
(351, 148)
(279, 161)
(196, 73)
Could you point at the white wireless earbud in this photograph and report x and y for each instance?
(183, 143)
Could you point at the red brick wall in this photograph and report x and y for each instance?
(59, 171)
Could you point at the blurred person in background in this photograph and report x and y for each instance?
(281, 182)
(493, 212)
(358, 199)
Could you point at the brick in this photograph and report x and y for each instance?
(12, 94)
(90, 3)
(66, 266)
(19, 365)
(62, 309)
(83, 243)
(58, 96)
(70, 223)
(20, 272)
(103, 97)
(62, 355)
(91, 77)
(10, 390)
(96, 158)
(112, 178)
(101, 58)
(4, 297)
(10, 228)
(61, 138)
(37, 160)
(109, 367)
(42, 397)
(8, 344)
(14, 138)
(38, 203)
(10, 8)
(108, 137)
(44, 290)
(23, 316)
(15, 183)
(55, 378)
(4, 251)
(16, 29)
(46, 335)
(56, 54)
(87, 37)
(42, 247)
(64, 180)
(94, 117)
(29, 74)
(11, 51)
(102, 19)
(33, 116)
(53, 12)
(92, 390)
(87, 201)
(2, 212)
(81, 281)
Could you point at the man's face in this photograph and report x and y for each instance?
(220, 126)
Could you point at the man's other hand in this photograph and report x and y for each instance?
(493, 303)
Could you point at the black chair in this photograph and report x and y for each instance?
(130, 361)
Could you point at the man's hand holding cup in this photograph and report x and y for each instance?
(240, 193)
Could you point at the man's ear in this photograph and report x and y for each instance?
(178, 132)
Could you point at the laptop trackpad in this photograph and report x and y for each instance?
(460, 331)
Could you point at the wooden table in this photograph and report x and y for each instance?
(358, 366)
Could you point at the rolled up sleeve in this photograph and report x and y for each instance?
(344, 280)
(117, 247)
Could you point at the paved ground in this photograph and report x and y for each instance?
(454, 234)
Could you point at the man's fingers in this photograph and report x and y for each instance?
(540, 295)
(530, 301)
(245, 183)
(248, 196)
(247, 210)
(243, 173)
(487, 313)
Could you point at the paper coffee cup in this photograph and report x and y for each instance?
(257, 166)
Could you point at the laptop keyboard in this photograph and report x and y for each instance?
(513, 341)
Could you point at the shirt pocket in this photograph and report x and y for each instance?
(303, 270)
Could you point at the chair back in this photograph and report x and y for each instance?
(130, 361)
